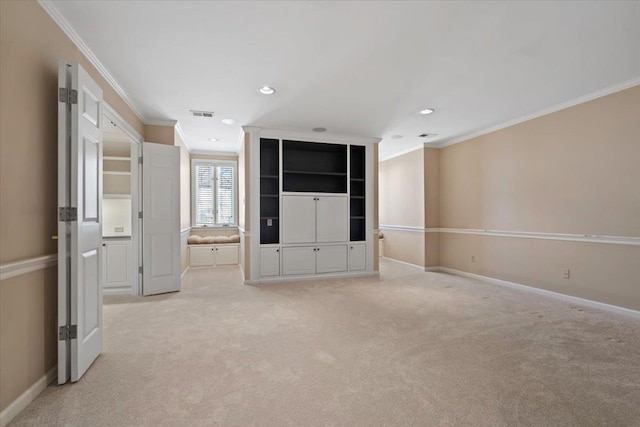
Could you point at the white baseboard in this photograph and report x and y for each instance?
(184, 272)
(18, 405)
(403, 262)
(568, 298)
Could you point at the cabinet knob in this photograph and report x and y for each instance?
(104, 244)
(277, 250)
(351, 247)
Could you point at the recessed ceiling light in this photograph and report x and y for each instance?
(229, 121)
(427, 111)
(396, 136)
(428, 135)
(267, 90)
(319, 129)
(213, 139)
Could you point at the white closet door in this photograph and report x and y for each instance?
(298, 219)
(161, 218)
(331, 259)
(298, 261)
(332, 216)
(80, 277)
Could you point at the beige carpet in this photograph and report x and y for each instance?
(408, 348)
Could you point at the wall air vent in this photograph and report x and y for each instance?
(197, 113)
(428, 135)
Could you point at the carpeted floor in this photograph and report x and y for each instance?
(407, 348)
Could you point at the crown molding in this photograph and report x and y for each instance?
(66, 27)
(214, 153)
(160, 122)
(558, 107)
(178, 129)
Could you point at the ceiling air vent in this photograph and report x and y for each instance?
(428, 135)
(197, 113)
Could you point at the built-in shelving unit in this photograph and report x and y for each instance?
(314, 167)
(269, 191)
(310, 205)
(357, 191)
(116, 204)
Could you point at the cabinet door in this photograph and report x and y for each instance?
(332, 215)
(298, 219)
(200, 257)
(226, 255)
(117, 264)
(269, 262)
(298, 261)
(331, 259)
(357, 257)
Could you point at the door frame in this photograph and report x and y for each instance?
(136, 193)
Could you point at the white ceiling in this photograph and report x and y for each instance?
(357, 68)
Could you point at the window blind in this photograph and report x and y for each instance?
(214, 202)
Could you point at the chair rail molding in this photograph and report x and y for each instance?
(588, 238)
(28, 265)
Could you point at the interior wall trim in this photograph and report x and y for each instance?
(28, 265)
(62, 22)
(588, 238)
(122, 124)
(15, 407)
(183, 137)
(568, 298)
(185, 230)
(403, 228)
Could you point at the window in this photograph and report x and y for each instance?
(214, 193)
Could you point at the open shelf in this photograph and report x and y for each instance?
(116, 173)
(314, 167)
(269, 191)
(357, 206)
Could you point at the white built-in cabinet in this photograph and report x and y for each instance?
(116, 265)
(311, 219)
(213, 255)
(311, 204)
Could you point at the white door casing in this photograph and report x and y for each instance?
(332, 215)
(298, 219)
(80, 239)
(160, 218)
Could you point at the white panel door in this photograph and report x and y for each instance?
(117, 264)
(201, 256)
(269, 262)
(80, 238)
(331, 259)
(226, 255)
(298, 261)
(160, 218)
(357, 257)
(298, 219)
(332, 215)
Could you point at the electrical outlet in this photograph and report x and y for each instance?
(473, 258)
(566, 273)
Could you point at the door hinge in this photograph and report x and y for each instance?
(141, 270)
(140, 214)
(140, 160)
(67, 332)
(68, 96)
(67, 214)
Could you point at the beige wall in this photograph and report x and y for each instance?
(31, 44)
(575, 171)
(160, 134)
(402, 203)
